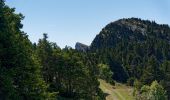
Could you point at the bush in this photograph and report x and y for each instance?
(130, 81)
(153, 92)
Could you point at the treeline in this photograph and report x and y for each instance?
(44, 71)
(70, 73)
(137, 49)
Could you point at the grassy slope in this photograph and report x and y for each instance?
(117, 92)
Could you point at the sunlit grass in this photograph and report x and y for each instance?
(117, 92)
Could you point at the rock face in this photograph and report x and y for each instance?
(81, 47)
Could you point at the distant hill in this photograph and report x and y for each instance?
(135, 49)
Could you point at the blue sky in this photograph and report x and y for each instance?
(69, 21)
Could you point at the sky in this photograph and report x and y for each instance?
(71, 21)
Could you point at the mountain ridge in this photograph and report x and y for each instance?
(131, 26)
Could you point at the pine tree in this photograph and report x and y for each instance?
(19, 68)
(44, 52)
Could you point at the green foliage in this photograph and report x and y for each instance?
(137, 86)
(19, 68)
(153, 92)
(166, 82)
(105, 73)
(144, 93)
(157, 92)
(68, 72)
(130, 81)
(152, 72)
(44, 52)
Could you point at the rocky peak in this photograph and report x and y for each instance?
(81, 47)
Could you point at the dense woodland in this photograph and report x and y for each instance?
(131, 51)
(138, 49)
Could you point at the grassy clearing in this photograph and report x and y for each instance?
(117, 92)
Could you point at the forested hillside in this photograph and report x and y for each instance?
(131, 51)
(136, 50)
